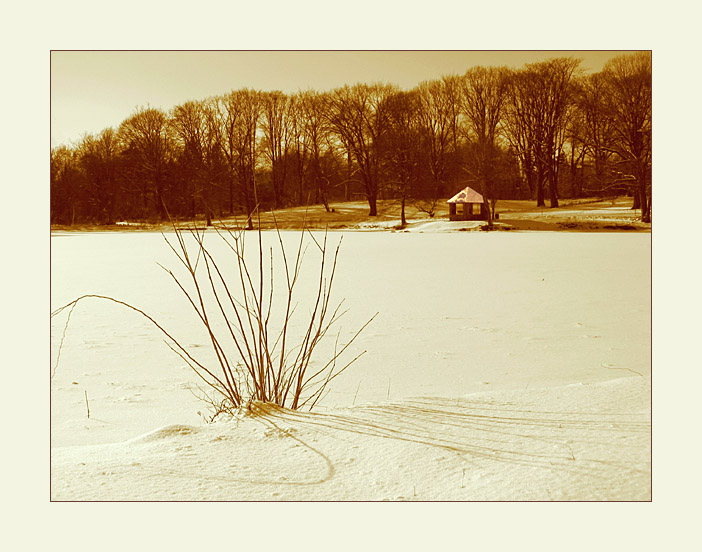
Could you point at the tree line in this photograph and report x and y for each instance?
(542, 132)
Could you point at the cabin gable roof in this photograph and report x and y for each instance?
(466, 195)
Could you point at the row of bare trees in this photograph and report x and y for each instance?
(545, 130)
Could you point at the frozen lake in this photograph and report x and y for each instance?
(458, 313)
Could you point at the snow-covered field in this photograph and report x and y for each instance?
(501, 366)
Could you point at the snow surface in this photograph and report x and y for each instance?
(501, 366)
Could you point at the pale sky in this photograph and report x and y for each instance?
(93, 90)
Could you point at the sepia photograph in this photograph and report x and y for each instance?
(351, 275)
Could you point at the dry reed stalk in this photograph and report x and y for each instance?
(256, 361)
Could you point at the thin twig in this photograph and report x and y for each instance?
(356, 394)
(63, 336)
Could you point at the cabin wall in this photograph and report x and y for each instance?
(463, 211)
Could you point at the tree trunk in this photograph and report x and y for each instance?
(276, 189)
(247, 203)
(231, 194)
(486, 206)
(643, 195)
(487, 196)
(574, 183)
(540, 198)
(637, 199)
(300, 170)
(372, 203)
(322, 192)
(347, 189)
(529, 178)
(645, 206)
(552, 186)
(160, 205)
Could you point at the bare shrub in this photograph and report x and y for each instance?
(260, 356)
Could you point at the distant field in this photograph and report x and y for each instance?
(586, 214)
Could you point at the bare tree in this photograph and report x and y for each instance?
(520, 126)
(99, 158)
(200, 159)
(577, 150)
(595, 130)
(250, 103)
(226, 113)
(147, 143)
(215, 171)
(484, 96)
(438, 119)
(314, 108)
(556, 91)
(277, 131)
(629, 104)
(357, 114)
(536, 119)
(239, 113)
(402, 148)
(66, 179)
(189, 128)
(298, 148)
